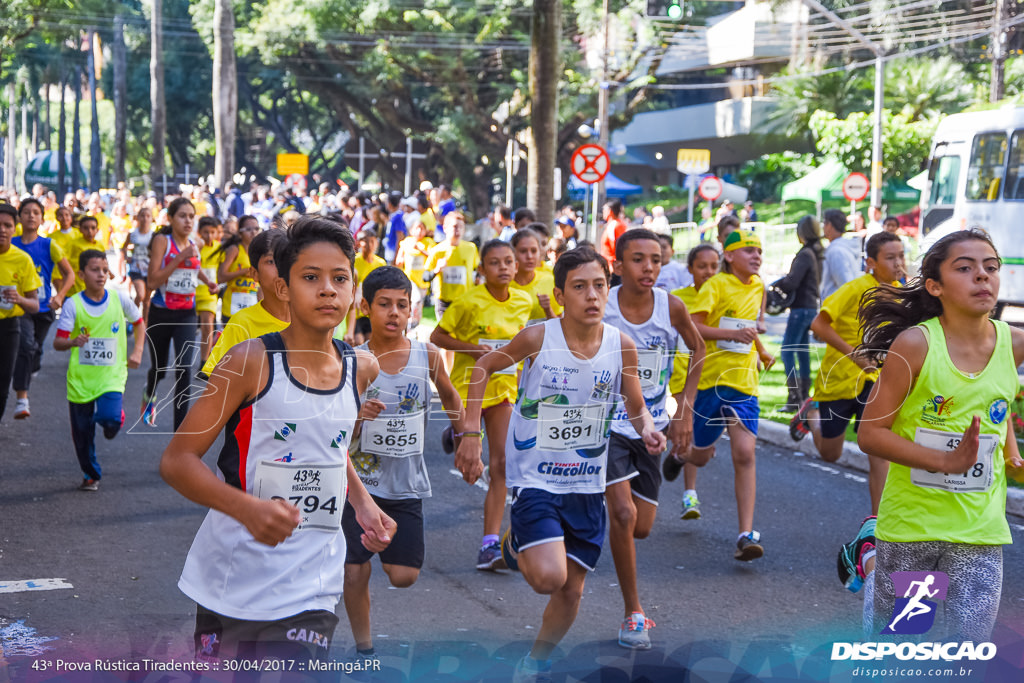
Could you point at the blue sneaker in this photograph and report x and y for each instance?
(489, 558)
(510, 551)
(849, 562)
(148, 412)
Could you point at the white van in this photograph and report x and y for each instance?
(976, 179)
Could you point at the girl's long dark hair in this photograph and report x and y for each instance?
(171, 210)
(809, 231)
(886, 311)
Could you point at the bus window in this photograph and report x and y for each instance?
(1015, 173)
(985, 174)
(947, 172)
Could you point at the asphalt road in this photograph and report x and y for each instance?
(118, 553)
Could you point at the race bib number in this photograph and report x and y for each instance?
(978, 477)
(183, 281)
(398, 436)
(649, 368)
(98, 351)
(454, 275)
(240, 300)
(317, 490)
(735, 324)
(7, 291)
(566, 428)
(496, 344)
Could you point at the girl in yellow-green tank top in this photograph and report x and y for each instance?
(940, 415)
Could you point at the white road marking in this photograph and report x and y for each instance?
(33, 585)
(823, 468)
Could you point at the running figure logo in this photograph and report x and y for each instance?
(914, 613)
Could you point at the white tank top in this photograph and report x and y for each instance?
(389, 455)
(558, 434)
(290, 442)
(656, 345)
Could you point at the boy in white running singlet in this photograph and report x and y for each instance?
(576, 368)
(389, 457)
(266, 568)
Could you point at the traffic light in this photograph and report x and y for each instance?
(668, 9)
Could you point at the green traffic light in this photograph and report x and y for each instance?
(675, 11)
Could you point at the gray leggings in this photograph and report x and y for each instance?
(975, 583)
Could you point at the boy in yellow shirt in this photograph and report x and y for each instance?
(454, 260)
(88, 228)
(412, 259)
(366, 262)
(19, 294)
(726, 312)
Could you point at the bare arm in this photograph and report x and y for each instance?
(443, 339)
(269, 521)
(745, 335)
(158, 248)
(225, 275)
(526, 343)
(681, 429)
(66, 283)
(450, 399)
(896, 379)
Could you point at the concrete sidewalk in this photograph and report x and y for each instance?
(854, 458)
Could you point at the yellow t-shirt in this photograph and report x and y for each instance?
(477, 316)
(839, 377)
(74, 250)
(18, 271)
(681, 363)
(414, 261)
(248, 323)
(241, 292)
(542, 283)
(463, 257)
(429, 222)
(364, 268)
(208, 262)
(103, 236)
(63, 240)
(731, 304)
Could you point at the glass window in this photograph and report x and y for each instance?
(947, 173)
(988, 164)
(1015, 173)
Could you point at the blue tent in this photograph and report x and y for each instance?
(615, 188)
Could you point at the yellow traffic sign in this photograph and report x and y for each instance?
(690, 161)
(292, 163)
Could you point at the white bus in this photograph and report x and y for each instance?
(976, 179)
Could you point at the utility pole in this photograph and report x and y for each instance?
(879, 52)
(996, 86)
(602, 118)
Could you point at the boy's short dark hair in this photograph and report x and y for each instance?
(89, 255)
(30, 200)
(205, 221)
(311, 229)
(633, 235)
(386, 277)
(265, 243)
(523, 214)
(835, 218)
(86, 217)
(9, 210)
(877, 241)
(573, 259)
(666, 241)
(540, 228)
(490, 246)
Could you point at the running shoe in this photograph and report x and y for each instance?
(149, 412)
(448, 440)
(510, 551)
(749, 547)
(798, 425)
(849, 563)
(671, 468)
(489, 558)
(691, 506)
(529, 670)
(89, 485)
(634, 632)
(110, 431)
(21, 410)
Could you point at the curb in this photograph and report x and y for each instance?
(853, 457)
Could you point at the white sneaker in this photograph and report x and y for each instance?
(634, 632)
(21, 410)
(529, 670)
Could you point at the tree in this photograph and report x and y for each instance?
(800, 95)
(928, 87)
(157, 100)
(120, 106)
(905, 144)
(544, 69)
(225, 91)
